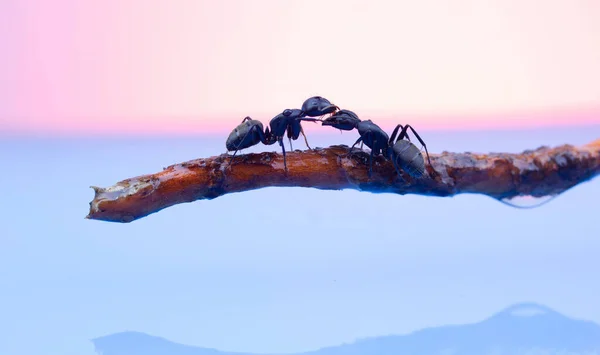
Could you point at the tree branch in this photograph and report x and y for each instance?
(542, 172)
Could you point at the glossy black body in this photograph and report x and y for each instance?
(408, 157)
(373, 137)
(345, 120)
(403, 153)
(246, 134)
(289, 120)
(318, 106)
(288, 123)
(370, 134)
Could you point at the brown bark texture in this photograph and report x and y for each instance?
(541, 172)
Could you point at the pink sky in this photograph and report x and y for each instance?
(191, 65)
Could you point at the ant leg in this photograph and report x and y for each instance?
(283, 148)
(234, 153)
(361, 145)
(290, 134)
(394, 133)
(395, 164)
(419, 138)
(359, 140)
(304, 135)
(230, 160)
(403, 134)
(264, 136)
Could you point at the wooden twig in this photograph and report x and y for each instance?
(541, 172)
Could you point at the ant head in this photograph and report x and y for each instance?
(318, 106)
(344, 119)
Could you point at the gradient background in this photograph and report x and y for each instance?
(95, 92)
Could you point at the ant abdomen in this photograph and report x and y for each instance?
(245, 135)
(409, 158)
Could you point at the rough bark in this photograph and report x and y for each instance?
(541, 172)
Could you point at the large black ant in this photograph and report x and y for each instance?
(403, 154)
(250, 132)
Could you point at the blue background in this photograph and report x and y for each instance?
(276, 269)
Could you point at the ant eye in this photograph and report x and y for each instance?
(287, 112)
